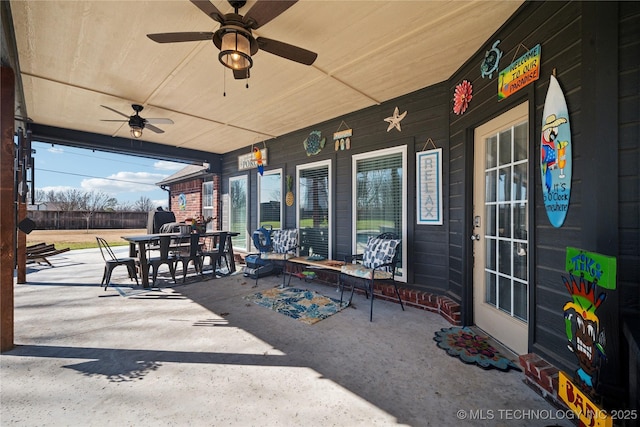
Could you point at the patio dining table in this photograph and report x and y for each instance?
(138, 245)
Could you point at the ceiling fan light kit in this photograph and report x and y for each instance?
(235, 48)
(234, 37)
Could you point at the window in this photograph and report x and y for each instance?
(207, 202)
(314, 208)
(238, 203)
(270, 199)
(379, 205)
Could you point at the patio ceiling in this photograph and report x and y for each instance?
(77, 55)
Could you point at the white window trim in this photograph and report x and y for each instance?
(354, 208)
(316, 165)
(231, 180)
(271, 172)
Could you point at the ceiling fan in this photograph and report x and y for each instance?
(138, 123)
(234, 39)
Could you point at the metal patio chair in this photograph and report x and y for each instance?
(378, 262)
(111, 261)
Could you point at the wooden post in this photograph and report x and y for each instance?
(7, 210)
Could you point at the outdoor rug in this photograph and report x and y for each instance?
(307, 306)
(471, 348)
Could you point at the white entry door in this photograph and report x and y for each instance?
(501, 228)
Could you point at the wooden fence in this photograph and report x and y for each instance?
(74, 220)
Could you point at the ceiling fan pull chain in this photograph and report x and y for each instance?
(224, 82)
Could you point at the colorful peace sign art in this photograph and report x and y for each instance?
(555, 155)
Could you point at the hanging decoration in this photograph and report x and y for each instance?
(314, 143)
(462, 97)
(257, 155)
(394, 121)
(342, 138)
(289, 198)
(555, 154)
(491, 61)
(519, 73)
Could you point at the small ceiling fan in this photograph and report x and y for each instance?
(138, 123)
(234, 38)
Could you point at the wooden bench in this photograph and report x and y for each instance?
(39, 253)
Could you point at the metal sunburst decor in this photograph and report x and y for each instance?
(461, 97)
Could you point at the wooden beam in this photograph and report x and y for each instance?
(7, 211)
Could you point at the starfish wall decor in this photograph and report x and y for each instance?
(394, 121)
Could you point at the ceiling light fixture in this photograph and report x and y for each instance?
(136, 131)
(235, 48)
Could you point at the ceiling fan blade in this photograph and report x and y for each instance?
(287, 51)
(115, 111)
(180, 37)
(153, 128)
(121, 121)
(264, 11)
(207, 7)
(160, 121)
(241, 74)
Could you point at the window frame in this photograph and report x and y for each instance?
(317, 165)
(400, 149)
(246, 225)
(259, 194)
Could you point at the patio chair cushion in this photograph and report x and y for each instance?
(276, 256)
(284, 240)
(359, 270)
(379, 251)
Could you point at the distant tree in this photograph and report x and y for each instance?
(78, 200)
(143, 204)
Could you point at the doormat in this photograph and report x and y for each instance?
(307, 306)
(471, 348)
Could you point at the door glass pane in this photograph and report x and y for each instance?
(504, 184)
(490, 281)
(490, 258)
(490, 185)
(491, 152)
(238, 211)
(520, 142)
(313, 210)
(270, 198)
(504, 294)
(490, 220)
(520, 300)
(504, 147)
(520, 261)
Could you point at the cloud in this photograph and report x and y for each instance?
(124, 182)
(168, 166)
(55, 150)
(57, 188)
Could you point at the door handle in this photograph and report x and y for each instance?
(475, 237)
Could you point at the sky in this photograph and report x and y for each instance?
(126, 178)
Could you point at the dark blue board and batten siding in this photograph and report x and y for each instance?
(593, 48)
(426, 118)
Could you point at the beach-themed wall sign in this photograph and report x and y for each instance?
(314, 143)
(555, 154)
(394, 121)
(591, 275)
(342, 138)
(429, 186)
(520, 73)
(249, 161)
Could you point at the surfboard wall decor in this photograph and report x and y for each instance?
(555, 154)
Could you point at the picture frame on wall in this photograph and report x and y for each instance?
(429, 187)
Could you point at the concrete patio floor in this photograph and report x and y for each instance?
(199, 354)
